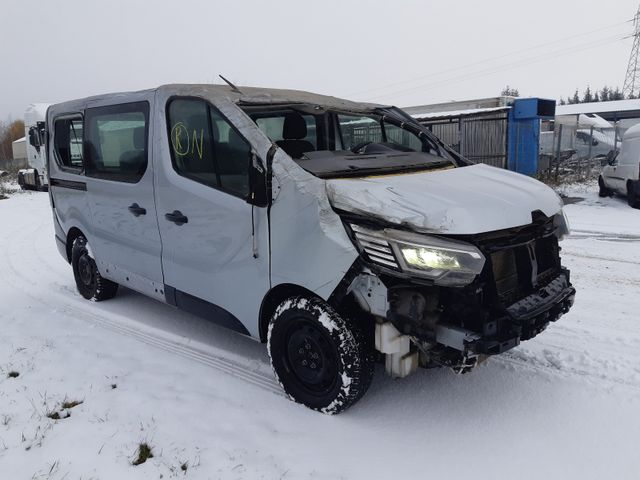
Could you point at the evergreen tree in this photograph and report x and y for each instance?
(616, 94)
(575, 99)
(588, 96)
(604, 94)
(562, 102)
(596, 97)
(510, 92)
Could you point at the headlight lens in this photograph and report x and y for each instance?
(429, 258)
(446, 262)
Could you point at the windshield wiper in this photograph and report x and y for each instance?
(357, 171)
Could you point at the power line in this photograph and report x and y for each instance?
(490, 59)
(508, 66)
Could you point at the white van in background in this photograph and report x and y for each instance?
(35, 177)
(622, 173)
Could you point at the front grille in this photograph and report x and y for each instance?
(522, 270)
(377, 249)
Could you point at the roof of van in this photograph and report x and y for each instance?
(633, 132)
(249, 96)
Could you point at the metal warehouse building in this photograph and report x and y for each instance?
(500, 131)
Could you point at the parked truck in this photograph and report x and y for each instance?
(34, 177)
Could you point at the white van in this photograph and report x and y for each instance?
(339, 233)
(622, 172)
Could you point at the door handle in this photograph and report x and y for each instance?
(137, 210)
(176, 217)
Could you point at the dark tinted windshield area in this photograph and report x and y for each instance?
(334, 143)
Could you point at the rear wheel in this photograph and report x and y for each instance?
(604, 191)
(319, 358)
(91, 285)
(632, 195)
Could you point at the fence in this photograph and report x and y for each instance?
(481, 139)
(577, 153)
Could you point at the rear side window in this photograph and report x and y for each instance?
(68, 136)
(116, 145)
(206, 148)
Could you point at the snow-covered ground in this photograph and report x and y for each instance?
(565, 405)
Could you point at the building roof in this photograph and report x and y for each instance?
(20, 140)
(456, 113)
(599, 107)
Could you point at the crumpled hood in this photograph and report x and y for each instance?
(457, 201)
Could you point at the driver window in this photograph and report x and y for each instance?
(206, 148)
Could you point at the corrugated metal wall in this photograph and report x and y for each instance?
(481, 139)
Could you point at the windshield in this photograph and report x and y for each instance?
(331, 143)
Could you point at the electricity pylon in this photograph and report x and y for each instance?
(632, 80)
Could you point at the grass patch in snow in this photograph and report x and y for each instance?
(65, 409)
(144, 453)
(13, 374)
(70, 404)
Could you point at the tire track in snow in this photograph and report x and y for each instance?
(218, 362)
(569, 253)
(549, 360)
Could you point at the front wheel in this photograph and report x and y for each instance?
(319, 358)
(91, 285)
(604, 191)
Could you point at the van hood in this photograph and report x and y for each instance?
(457, 201)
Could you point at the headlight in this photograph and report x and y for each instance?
(562, 224)
(446, 262)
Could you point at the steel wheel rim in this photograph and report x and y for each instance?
(311, 358)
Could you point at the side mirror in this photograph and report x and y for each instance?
(595, 142)
(611, 157)
(34, 138)
(258, 182)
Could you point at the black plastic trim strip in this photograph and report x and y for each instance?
(203, 309)
(73, 185)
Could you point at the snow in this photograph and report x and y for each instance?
(457, 113)
(598, 107)
(561, 406)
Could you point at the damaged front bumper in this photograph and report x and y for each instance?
(526, 318)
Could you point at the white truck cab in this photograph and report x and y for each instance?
(621, 174)
(35, 176)
(339, 233)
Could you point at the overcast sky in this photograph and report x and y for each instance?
(402, 52)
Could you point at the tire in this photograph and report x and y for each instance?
(321, 360)
(632, 196)
(90, 284)
(604, 191)
(21, 182)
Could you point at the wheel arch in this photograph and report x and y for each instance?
(74, 232)
(275, 297)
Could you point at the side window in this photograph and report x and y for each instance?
(206, 148)
(356, 130)
(116, 143)
(402, 137)
(68, 136)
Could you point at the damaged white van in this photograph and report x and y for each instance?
(339, 233)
